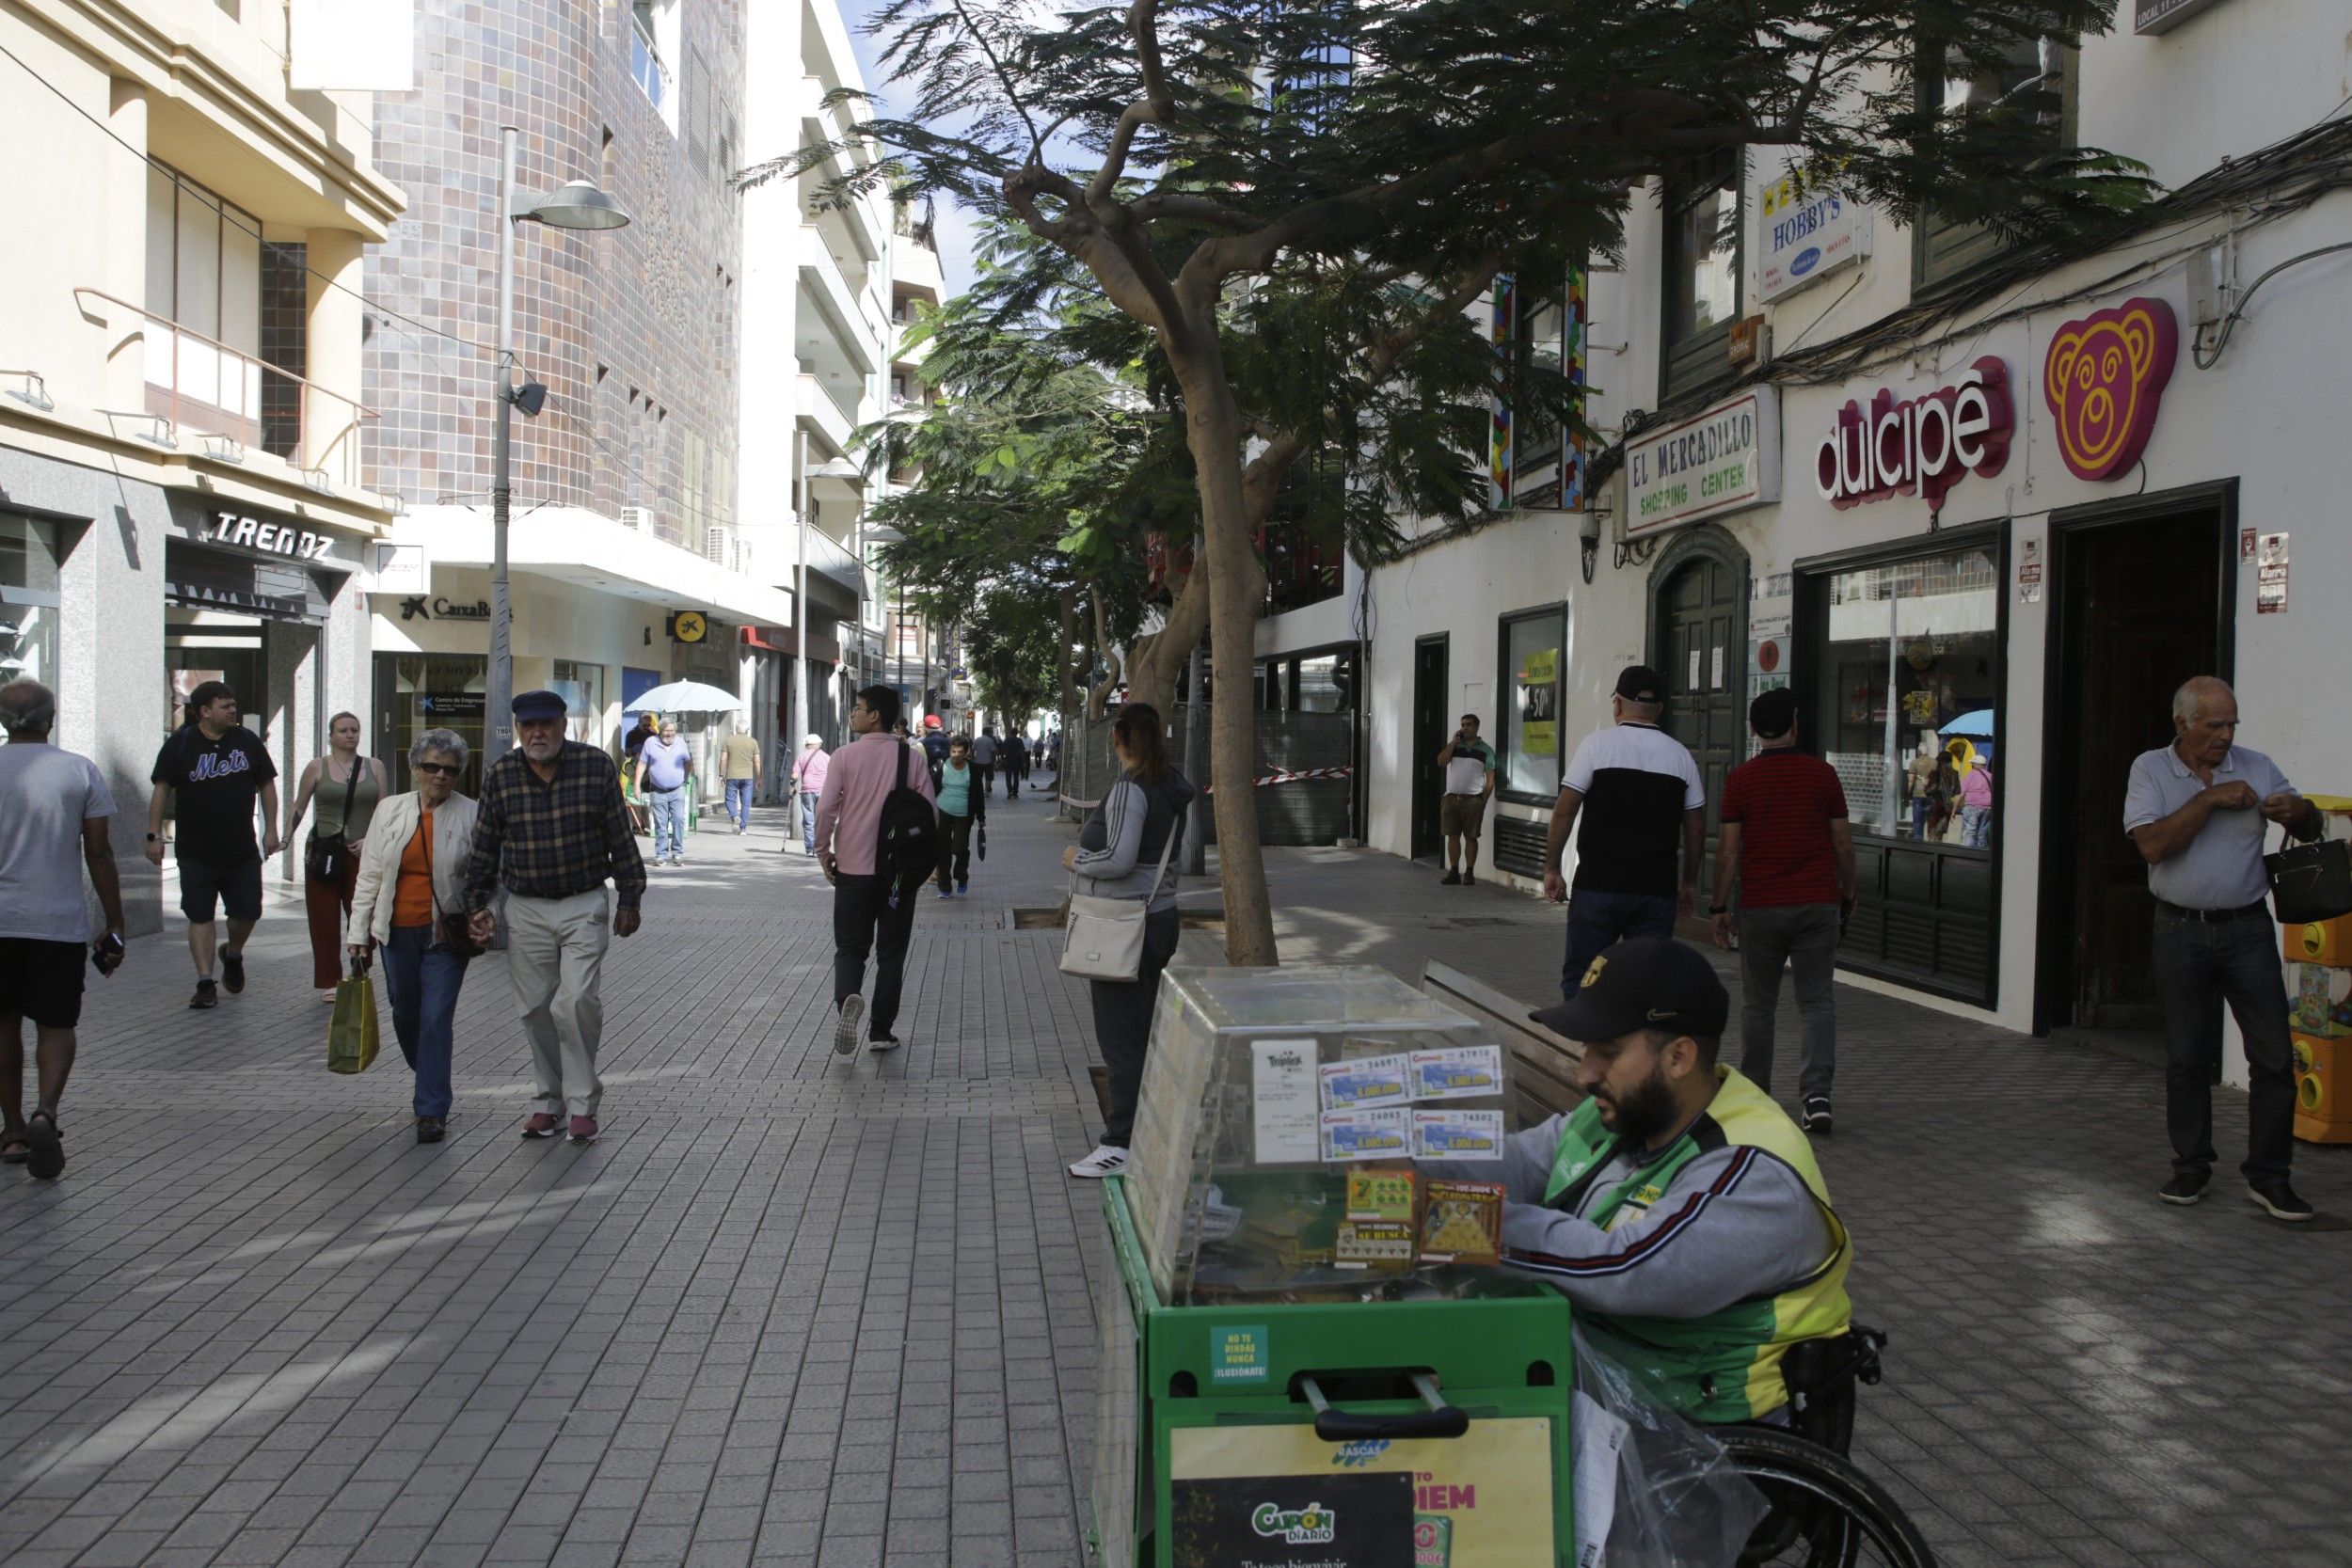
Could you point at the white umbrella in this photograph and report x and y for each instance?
(684, 697)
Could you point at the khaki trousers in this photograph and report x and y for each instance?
(555, 955)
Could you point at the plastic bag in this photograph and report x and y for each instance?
(351, 1038)
(1678, 1502)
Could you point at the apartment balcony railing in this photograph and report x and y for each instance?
(645, 64)
(228, 401)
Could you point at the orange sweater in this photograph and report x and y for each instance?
(412, 896)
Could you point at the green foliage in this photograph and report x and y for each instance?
(1008, 647)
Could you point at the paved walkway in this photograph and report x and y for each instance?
(800, 1309)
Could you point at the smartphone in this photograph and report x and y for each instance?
(106, 954)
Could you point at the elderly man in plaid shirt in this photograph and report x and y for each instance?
(555, 829)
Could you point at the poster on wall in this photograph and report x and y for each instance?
(1539, 710)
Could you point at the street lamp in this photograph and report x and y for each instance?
(578, 205)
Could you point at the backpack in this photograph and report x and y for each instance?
(907, 849)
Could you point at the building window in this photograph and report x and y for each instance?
(1703, 258)
(1538, 353)
(1532, 642)
(2025, 86)
(581, 686)
(29, 553)
(653, 45)
(204, 278)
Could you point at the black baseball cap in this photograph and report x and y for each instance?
(1639, 682)
(1774, 713)
(1647, 983)
(539, 705)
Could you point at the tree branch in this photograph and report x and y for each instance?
(1004, 79)
(1157, 106)
(1154, 205)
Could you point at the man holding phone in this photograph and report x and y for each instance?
(58, 807)
(1469, 781)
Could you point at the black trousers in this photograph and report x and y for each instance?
(865, 922)
(955, 849)
(1122, 1023)
(2199, 967)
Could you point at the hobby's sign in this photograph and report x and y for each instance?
(1918, 446)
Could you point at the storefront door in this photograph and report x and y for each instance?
(2143, 608)
(1432, 727)
(1699, 639)
(416, 692)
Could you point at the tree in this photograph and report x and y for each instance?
(1195, 160)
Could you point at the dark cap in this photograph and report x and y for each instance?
(1774, 713)
(1639, 682)
(1647, 983)
(540, 705)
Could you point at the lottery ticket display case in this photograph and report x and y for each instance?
(1310, 1355)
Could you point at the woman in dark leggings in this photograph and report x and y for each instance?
(1118, 856)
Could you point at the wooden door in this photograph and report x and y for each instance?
(1432, 723)
(1703, 654)
(2146, 598)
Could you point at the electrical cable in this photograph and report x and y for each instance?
(2229, 322)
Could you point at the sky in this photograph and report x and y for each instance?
(955, 228)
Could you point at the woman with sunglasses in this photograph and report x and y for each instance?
(425, 838)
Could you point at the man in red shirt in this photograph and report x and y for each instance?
(1785, 836)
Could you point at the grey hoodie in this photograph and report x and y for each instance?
(1118, 848)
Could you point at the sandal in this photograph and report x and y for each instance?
(45, 1158)
(14, 1150)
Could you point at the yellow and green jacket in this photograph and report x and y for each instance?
(1696, 1265)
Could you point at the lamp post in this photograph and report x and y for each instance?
(577, 206)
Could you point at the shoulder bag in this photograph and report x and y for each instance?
(1104, 940)
(326, 856)
(455, 928)
(2310, 881)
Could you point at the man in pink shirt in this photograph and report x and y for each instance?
(806, 782)
(870, 911)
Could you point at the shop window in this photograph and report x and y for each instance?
(1532, 643)
(1702, 261)
(581, 686)
(2026, 85)
(1320, 685)
(1908, 672)
(29, 552)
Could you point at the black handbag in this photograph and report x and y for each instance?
(325, 856)
(457, 927)
(2310, 881)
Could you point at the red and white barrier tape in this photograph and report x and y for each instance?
(1293, 778)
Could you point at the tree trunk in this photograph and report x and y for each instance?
(1066, 697)
(1236, 593)
(1112, 662)
(1151, 674)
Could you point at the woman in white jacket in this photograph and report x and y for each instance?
(412, 879)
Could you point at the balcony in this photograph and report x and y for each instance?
(653, 78)
(225, 400)
(824, 417)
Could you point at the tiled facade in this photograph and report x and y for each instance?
(632, 331)
(285, 342)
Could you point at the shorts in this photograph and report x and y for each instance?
(42, 981)
(236, 885)
(1462, 814)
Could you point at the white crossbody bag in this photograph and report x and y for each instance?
(1104, 940)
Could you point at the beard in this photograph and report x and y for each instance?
(1647, 1111)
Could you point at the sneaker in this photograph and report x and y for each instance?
(541, 1125)
(46, 1160)
(1816, 1120)
(844, 1027)
(2276, 1198)
(882, 1042)
(1469, 878)
(1105, 1161)
(1451, 879)
(2184, 1188)
(945, 893)
(583, 1129)
(232, 971)
(430, 1128)
(963, 889)
(207, 994)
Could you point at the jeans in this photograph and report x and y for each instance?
(1918, 816)
(739, 800)
(668, 822)
(1598, 921)
(1804, 937)
(864, 920)
(424, 978)
(1122, 1023)
(955, 850)
(2197, 967)
(808, 821)
(1974, 823)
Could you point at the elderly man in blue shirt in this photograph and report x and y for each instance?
(2197, 810)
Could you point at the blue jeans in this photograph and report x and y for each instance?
(808, 822)
(424, 978)
(1975, 822)
(2199, 967)
(1599, 921)
(739, 800)
(669, 821)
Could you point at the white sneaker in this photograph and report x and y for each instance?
(1105, 1161)
(844, 1027)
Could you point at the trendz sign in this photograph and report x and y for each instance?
(1923, 445)
(276, 538)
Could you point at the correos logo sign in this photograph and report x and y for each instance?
(1918, 446)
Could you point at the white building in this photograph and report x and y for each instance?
(2078, 567)
(181, 492)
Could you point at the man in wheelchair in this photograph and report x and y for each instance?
(1681, 1210)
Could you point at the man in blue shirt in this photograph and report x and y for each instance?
(962, 805)
(2196, 809)
(665, 769)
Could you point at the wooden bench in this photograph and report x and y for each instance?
(1543, 1064)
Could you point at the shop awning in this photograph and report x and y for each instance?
(590, 551)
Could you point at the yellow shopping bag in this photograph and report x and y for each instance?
(351, 1033)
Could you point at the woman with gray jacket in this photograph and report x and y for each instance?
(1118, 855)
(416, 875)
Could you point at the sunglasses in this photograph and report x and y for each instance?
(441, 769)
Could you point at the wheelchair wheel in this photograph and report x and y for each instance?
(1825, 1512)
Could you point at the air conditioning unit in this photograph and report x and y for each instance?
(638, 517)
(719, 546)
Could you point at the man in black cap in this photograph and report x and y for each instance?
(1639, 793)
(553, 827)
(1677, 1207)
